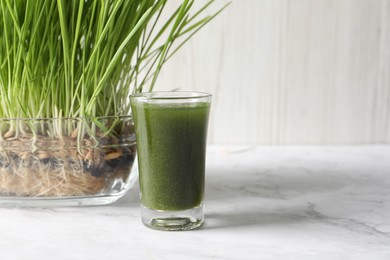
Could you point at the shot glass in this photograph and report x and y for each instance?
(171, 132)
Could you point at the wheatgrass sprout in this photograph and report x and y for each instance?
(65, 59)
(67, 69)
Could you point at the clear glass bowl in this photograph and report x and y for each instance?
(67, 161)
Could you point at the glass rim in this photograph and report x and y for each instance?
(171, 95)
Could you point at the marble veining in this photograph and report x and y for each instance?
(261, 203)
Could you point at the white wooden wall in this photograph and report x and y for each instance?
(292, 72)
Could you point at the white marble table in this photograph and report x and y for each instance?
(262, 203)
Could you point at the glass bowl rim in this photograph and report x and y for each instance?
(64, 118)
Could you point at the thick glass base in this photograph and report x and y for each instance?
(173, 220)
(59, 201)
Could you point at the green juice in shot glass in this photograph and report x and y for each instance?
(171, 132)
